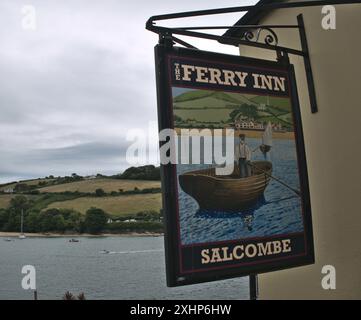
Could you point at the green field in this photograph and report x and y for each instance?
(117, 206)
(74, 195)
(32, 182)
(107, 184)
(5, 200)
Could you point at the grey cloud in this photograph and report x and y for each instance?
(82, 159)
(92, 152)
(70, 90)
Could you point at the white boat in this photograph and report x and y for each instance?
(266, 139)
(22, 235)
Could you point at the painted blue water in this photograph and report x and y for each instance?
(278, 212)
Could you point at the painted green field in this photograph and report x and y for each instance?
(192, 95)
(208, 106)
(117, 206)
(202, 107)
(283, 103)
(211, 99)
(108, 185)
(207, 115)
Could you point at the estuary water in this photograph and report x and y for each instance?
(133, 269)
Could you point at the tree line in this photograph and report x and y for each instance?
(94, 221)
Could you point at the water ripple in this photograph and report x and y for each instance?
(279, 211)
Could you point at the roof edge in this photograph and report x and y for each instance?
(251, 17)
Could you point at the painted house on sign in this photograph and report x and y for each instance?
(248, 125)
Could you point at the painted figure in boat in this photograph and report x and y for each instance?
(243, 154)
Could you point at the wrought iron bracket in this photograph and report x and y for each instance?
(251, 35)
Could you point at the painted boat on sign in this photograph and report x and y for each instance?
(227, 193)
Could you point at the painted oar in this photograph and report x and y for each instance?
(298, 192)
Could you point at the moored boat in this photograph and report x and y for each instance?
(227, 193)
(22, 235)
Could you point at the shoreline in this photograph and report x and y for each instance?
(80, 235)
(289, 135)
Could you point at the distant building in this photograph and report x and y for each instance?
(9, 190)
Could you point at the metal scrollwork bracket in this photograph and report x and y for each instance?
(259, 36)
(270, 39)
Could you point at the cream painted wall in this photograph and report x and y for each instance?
(333, 150)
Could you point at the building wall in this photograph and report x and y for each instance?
(333, 150)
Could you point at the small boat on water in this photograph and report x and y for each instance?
(22, 235)
(73, 240)
(8, 239)
(227, 193)
(266, 139)
(105, 251)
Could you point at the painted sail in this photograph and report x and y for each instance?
(267, 135)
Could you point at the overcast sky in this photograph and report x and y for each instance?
(72, 88)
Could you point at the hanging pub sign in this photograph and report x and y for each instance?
(234, 177)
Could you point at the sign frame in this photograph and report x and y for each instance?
(174, 274)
